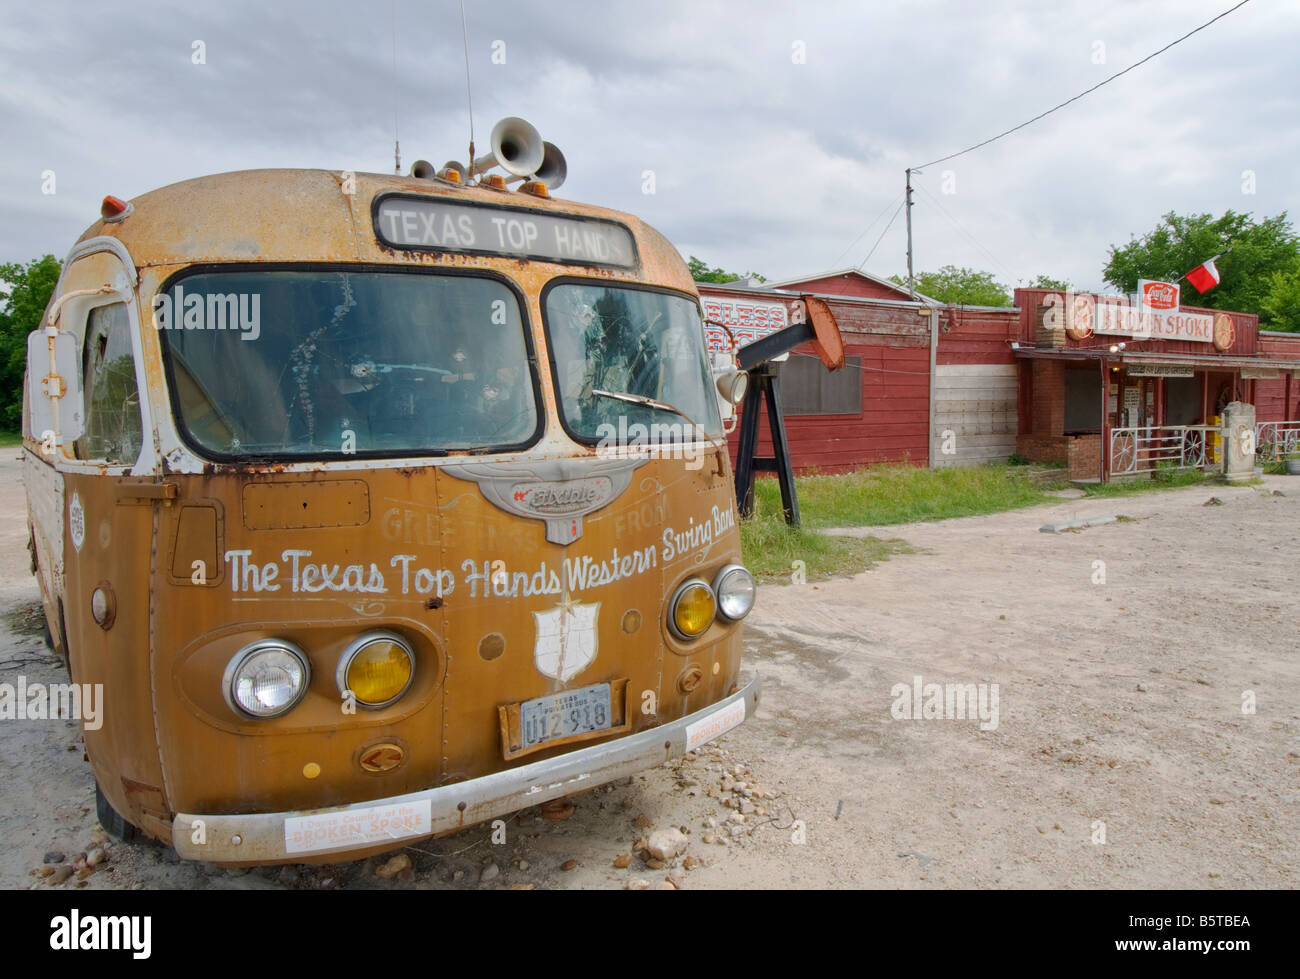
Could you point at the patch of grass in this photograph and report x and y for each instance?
(1164, 479)
(771, 549)
(882, 495)
(11, 440)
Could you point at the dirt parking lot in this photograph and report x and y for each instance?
(1147, 694)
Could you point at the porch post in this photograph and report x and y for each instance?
(1105, 422)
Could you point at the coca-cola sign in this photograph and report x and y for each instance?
(1158, 297)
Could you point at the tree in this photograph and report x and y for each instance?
(701, 272)
(1281, 306)
(30, 287)
(1180, 243)
(1041, 281)
(965, 287)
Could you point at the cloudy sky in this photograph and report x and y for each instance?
(776, 132)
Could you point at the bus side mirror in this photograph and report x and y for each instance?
(54, 385)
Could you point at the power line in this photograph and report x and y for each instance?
(969, 237)
(881, 238)
(873, 370)
(866, 229)
(951, 156)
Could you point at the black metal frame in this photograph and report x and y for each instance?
(764, 387)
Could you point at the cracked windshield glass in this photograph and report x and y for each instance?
(608, 341)
(316, 363)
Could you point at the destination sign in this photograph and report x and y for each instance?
(437, 225)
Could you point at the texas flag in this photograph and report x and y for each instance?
(1206, 275)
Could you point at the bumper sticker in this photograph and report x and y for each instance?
(715, 725)
(357, 827)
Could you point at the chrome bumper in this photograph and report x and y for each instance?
(285, 837)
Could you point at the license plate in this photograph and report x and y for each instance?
(563, 715)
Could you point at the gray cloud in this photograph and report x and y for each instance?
(760, 162)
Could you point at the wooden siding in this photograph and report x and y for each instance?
(977, 403)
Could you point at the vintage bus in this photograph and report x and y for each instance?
(380, 506)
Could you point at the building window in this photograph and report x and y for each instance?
(808, 388)
(1182, 401)
(1082, 401)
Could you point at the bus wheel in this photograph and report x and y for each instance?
(112, 821)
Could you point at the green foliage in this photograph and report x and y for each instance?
(29, 287)
(1281, 306)
(1047, 282)
(701, 272)
(965, 287)
(1180, 243)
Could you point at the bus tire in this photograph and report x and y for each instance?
(112, 821)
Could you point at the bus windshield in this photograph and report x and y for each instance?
(611, 340)
(325, 363)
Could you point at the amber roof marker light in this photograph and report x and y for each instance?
(115, 209)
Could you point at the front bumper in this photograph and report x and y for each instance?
(284, 837)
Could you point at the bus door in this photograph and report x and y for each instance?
(110, 494)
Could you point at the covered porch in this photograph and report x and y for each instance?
(1110, 414)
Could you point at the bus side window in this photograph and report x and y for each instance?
(114, 431)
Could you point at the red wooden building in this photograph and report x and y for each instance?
(931, 384)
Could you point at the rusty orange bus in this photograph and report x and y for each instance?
(380, 506)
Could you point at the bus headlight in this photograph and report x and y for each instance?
(377, 668)
(266, 679)
(692, 609)
(735, 589)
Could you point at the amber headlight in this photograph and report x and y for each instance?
(692, 609)
(734, 587)
(377, 668)
(266, 679)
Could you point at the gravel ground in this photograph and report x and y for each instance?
(1145, 733)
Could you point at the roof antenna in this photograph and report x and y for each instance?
(468, 94)
(397, 146)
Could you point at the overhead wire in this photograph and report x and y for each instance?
(1106, 81)
(881, 238)
(969, 237)
(866, 229)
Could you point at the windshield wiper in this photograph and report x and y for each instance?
(641, 399)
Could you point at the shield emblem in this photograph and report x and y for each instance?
(566, 639)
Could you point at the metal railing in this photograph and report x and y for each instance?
(1139, 450)
(1276, 440)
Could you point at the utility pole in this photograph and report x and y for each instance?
(911, 291)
